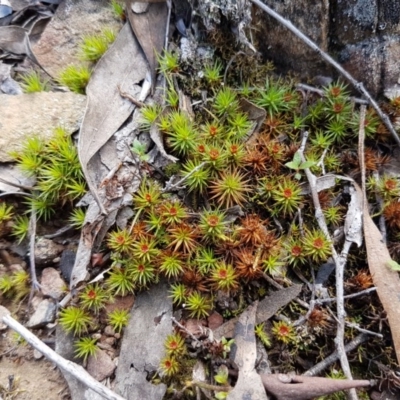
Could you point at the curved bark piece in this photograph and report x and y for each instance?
(122, 66)
(148, 20)
(287, 387)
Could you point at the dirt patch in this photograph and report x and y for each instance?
(35, 379)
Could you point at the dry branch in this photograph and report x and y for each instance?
(75, 370)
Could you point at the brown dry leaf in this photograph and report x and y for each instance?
(386, 281)
(149, 22)
(122, 66)
(255, 114)
(287, 387)
(244, 353)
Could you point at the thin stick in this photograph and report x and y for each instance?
(32, 232)
(321, 366)
(340, 261)
(348, 296)
(303, 86)
(175, 186)
(358, 85)
(75, 370)
(180, 326)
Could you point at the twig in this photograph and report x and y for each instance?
(340, 261)
(348, 296)
(180, 326)
(32, 232)
(321, 366)
(366, 331)
(125, 95)
(175, 186)
(309, 88)
(358, 85)
(16, 184)
(75, 370)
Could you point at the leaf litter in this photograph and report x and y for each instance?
(102, 120)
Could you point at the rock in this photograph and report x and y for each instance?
(109, 331)
(215, 320)
(45, 313)
(46, 251)
(100, 366)
(52, 283)
(65, 344)
(67, 263)
(3, 313)
(278, 44)
(37, 355)
(363, 34)
(73, 19)
(36, 113)
(120, 303)
(7, 84)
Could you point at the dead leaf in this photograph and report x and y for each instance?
(386, 281)
(244, 353)
(149, 25)
(14, 39)
(255, 114)
(353, 222)
(266, 309)
(142, 346)
(287, 387)
(106, 110)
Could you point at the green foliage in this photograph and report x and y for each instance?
(225, 102)
(94, 46)
(168, 63)
(275, 97)
(139, 149)
(287, 197)
(297, 164)
(6, 212)
(120, 281)
(259, 331)
(58, 173)
(198, 305)
(32, 82)
(85, 347)
(118, 319)
(120, 241)
(148, 196)
(77, 218)
(196, 175)
(15, 285)
(93, 297)
(6, 285)
(118, 9)
(175, 345)
(75, 78)
(317, 246)
(178, 293)
(213, 225)
(75, 320)
(213, 73)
